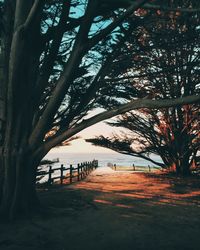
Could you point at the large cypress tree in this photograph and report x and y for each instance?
(162, 61)
(52, 63)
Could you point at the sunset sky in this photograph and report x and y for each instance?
(80, 146)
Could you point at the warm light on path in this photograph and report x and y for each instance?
(116, 188)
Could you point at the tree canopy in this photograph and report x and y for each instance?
(161, 58)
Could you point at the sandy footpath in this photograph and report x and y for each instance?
(113, 210)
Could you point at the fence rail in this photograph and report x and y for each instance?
(70, 173)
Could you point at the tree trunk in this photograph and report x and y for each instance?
(19, 165)
(183, 166)
(19, 69)
(1, 177)
(19, 193)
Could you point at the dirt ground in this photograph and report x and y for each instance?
(113, 210)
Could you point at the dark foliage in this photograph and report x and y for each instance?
(160, 60)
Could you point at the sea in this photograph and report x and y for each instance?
(103, 159)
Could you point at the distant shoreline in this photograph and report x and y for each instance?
(136, 168)
(67, 158)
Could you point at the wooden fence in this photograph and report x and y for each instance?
(68, 174)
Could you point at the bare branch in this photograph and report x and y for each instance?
(32, 14)
(66, 78)
(49, 60)
(115, 23)
(135, 104)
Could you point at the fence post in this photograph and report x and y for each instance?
(90, 167)
(93, 164)
(149, 168)
(78, 170)
(85, 169)
(133, 167)
(50, 172)
(61, 174)
(82, 170)
(71, 173)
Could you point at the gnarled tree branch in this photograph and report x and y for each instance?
(135, 104)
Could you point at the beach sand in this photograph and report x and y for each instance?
(113, 210)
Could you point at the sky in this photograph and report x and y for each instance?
(81, 146)
(100, 128)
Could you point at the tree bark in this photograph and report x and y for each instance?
(183, 166)
(17, 169)
(19, 192)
